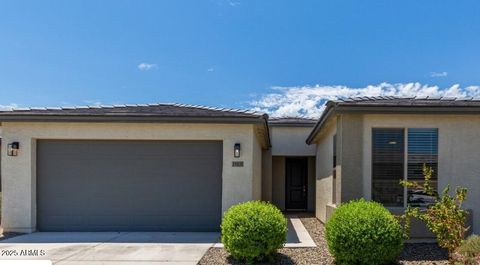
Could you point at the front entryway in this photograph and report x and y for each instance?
(296, 186)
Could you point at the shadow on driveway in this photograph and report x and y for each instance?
(116, 237)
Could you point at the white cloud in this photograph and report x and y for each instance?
(309, 101)
(147, 66)
(438, 74)
(210, 69)
(8, 107)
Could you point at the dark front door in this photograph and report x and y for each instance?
(296, 186)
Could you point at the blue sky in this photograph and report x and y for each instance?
(264, 54)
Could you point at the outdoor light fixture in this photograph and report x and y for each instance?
(392, 142)
(12, 149)
(236, 150)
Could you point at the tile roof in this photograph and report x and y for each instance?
(292, 121)
(163, 112)
(392, 105)
(138, 110)
(407, 101)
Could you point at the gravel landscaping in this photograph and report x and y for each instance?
(413, 253)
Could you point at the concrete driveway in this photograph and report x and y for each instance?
(110, 247)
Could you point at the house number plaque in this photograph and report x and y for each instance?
(237, 164)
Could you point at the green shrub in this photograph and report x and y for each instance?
(253, 230)
(469, 251)
(361, 232)
(445, 217)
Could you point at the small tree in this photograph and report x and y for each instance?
(445, 217)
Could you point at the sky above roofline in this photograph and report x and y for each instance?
(284, 58)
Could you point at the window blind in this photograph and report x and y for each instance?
(388, 166)
(422, 150)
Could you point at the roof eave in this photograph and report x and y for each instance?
(292, 124)
(126, 118)
(386, 109)
(329, 109)
(261, 119)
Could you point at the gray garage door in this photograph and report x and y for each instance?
(129, 185)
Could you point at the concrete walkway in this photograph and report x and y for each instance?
(110, 247)
(297, 235)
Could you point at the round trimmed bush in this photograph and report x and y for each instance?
(363, 232)
(253, 231)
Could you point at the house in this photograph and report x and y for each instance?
(365, 146)
(159, 167)
(174, 167)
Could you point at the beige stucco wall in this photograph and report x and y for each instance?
(324, 169)
(278, 179)
(349, 157)
(458, 151)
(311, 184)
(267, 181)
(19, 173)
(290, 141)
(256, 169)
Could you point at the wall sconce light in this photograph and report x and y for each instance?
(236, 150)
(12, 149)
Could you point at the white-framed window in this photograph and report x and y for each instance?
(399, 154)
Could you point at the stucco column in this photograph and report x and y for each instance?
(237, 182)
(19, 184)
(350, 157)
(267, 175)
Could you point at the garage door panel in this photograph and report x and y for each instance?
(185, 223)
(129, 185)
